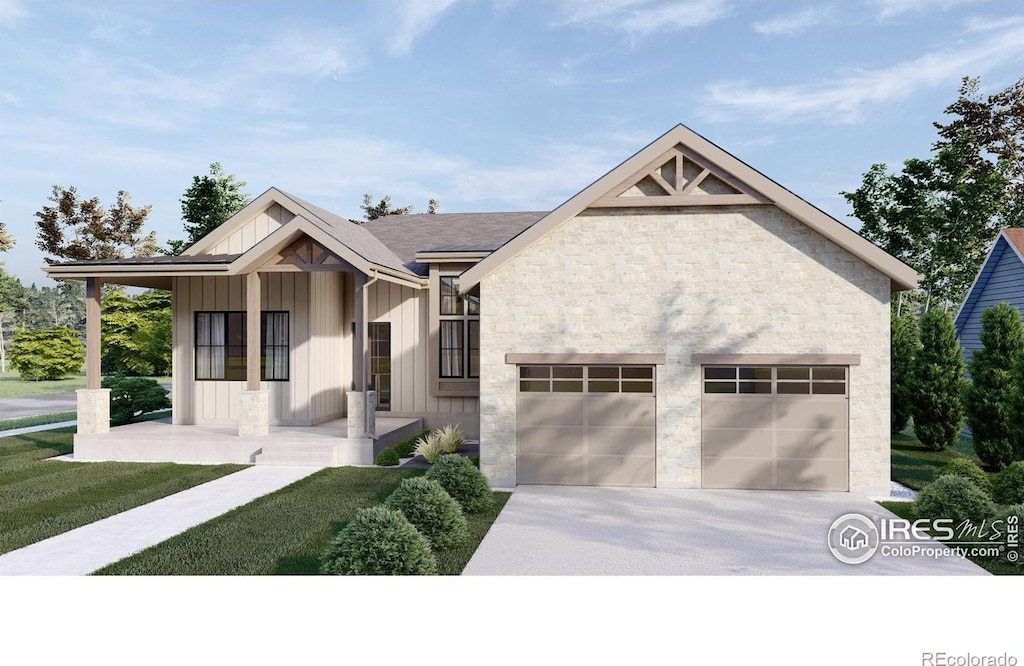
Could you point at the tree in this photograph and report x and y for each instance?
(1017, 406)
(988, 398)
(62, 305)
(938, 383)
(6, 239)
(12, 301)
(208, 203)
(383, 208)
(136, 333)
(904, 350)
(941, 214)
(82, 229)
(50, 353)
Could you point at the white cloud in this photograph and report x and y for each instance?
(317, 53)
(11, 13)
(415, 18)
(792, 24)
(890, 8)
(639, 18)
(844, 99)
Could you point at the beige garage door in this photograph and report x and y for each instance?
(776, 427)
(585, 425)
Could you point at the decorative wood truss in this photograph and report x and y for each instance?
(308, 255)
(680, 177)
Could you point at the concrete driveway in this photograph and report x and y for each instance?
(557, 530)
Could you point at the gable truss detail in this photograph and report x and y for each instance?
(308, 254)
(680, 177)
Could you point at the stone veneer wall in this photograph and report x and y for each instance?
(742, 279)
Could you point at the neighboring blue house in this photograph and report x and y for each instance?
(1001, 278)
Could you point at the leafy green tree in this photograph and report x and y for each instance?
(904, 349)
(61, 305)
(988, 398)
(79, 229)
(1017, 405)
(12, 301)
(6, 239)
(938, 409)
(136, 333)
(134, 396)
(208, 203)
(50, 353)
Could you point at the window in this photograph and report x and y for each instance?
(588, 379)
(380, 364)
(797, 380)
(459, 337)
(220, 346)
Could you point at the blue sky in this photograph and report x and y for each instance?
(481, 105)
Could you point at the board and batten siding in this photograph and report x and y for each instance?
(1004, 284)
(407, 311)
(314, 391)
(253, 231)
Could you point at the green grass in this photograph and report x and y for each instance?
(41, 419)
(914, 466)
(287, 531)
(13, 386)
(40, 498)
(906, 510)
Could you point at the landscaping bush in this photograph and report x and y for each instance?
(379, 542)
(1003, 520)
(431, 510)
(134, 396)
(954, 497)
(938, 410)
(463, 481)
(969, 470)
(1008, 487)
(407, 449)
(904, 348)
(388, 458)
(988, 397)
(430, 447)
(451, 437)
(49, 353)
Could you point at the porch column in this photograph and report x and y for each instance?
(254, 411)
(93, 401)
(356, 398)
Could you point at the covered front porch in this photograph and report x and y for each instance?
(327, 444)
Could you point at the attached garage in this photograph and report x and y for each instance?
(775, 427)
(586, 425)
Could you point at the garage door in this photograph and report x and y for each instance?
(777, 427)
(585, 425)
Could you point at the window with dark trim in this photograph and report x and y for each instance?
(777, 380)
(380, 363)
(459, 335)
(220, 346)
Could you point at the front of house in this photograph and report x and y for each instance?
(682, 322)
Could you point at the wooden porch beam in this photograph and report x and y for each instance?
(359, 348)
(253, 348)
(93, 294)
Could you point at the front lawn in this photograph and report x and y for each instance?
(287, 531)
(40, 498)
(914, 466)
(13, 386)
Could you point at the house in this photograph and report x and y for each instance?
(682, 322)
(1001, 279)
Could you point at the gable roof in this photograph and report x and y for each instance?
(1008, 240)
(406, 235)
(756, 188)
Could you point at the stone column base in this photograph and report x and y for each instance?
(371, 413)
(356, 401)
(254, 414)
(93, 411)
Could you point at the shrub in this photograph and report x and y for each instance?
(431, 510)
(379, 542)
(1002, 521)
(954, 497)
(1017, 405)
(388, 458)
(463, 481)
(904, 348)
(429, 446)
(1008, 487)
(451, 437)
(134, 396)
(938, 383)
(49, 353)
(407, 448)
(988, 397)
(969, 470)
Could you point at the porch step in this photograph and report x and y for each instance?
(296, 453)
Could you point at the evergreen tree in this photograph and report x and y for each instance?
(988, 397)
(938, 409)
(904, 349)
(208, 203)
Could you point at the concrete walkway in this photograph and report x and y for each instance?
(562, 530)
(86, 549)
